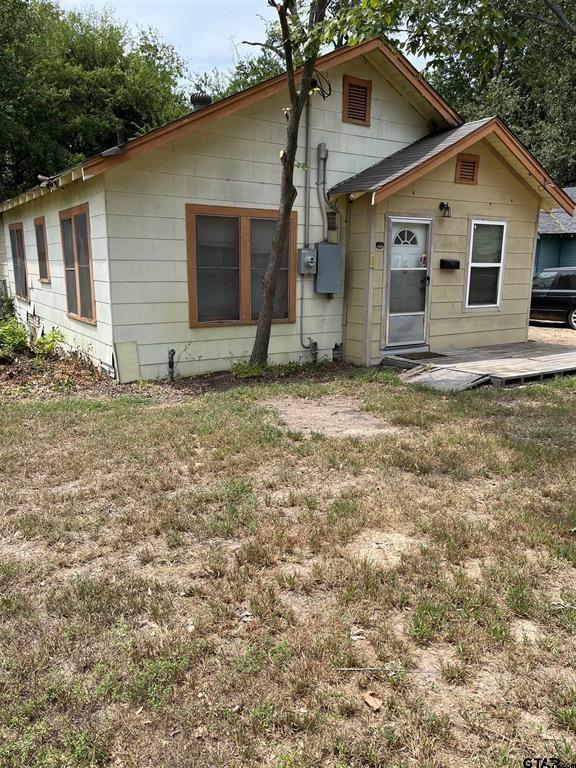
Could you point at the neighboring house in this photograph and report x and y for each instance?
(556, 237)
(154, 250)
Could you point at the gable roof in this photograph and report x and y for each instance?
(405, 166)
(383, 56)
(557, 222)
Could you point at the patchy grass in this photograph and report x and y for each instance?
(183, 581)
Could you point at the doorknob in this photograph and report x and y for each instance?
(427, 279)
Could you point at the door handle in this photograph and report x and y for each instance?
(427, 279)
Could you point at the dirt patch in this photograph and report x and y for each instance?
(525, 631)
(551, 333)
(335, 416)
(475, 566)
(383, 549)
(428, 663)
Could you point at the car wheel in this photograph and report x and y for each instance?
(572, 318)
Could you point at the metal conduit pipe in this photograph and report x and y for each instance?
(306, 214)
(320, 176)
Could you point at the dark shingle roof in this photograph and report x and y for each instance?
(557, 222)
(404, 160)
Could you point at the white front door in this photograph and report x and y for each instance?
(407, 283)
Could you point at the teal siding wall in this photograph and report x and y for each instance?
(547, 252)
(568, 251)
(555, 251)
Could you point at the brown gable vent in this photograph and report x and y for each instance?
(467, 169)
(357, 98)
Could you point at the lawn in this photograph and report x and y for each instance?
(185, 581)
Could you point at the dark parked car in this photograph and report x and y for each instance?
(554, 295)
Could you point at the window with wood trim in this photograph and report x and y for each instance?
(486, 263)
(228, 252)
(19, 261)
(467, 169)
(42, 249)
(76, 248)
(356, 105)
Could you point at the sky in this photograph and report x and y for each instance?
(204, 32)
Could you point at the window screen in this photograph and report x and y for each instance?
(486, 256)
(261, 235)
(229, 250)
(78, 263)
(42, 250)
(19, 261)
(217, 268)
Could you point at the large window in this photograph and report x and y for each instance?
(42, 249)
(75, 227)
(228, 252)
(19, 261)
(486, 263)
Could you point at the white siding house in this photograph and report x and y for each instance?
(227, 157)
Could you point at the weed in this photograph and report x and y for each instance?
(47, 345)
(13, 338)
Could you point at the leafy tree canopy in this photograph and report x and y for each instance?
(70, 81)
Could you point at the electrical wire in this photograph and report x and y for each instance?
(323, 84)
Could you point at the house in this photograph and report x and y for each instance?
(411, 230)
(556, 246)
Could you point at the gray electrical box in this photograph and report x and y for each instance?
(307, 261)
(329, 270)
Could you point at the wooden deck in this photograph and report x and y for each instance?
(499, 365)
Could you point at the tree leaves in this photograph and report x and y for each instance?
(69, 81)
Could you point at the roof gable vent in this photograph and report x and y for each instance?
(467, 169)
(357, 100)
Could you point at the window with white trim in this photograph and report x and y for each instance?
(486, 263)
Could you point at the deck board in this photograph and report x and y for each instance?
(502, 364)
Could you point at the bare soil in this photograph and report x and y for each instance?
(333, 416)
(552, 333)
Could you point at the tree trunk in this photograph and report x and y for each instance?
(288, 193)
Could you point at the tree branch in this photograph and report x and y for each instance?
(565, 22)
(278, 51)
(288, 57)
(542, 20)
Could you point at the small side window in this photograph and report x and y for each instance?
(486, 263)
(19, 261)
(42, 249)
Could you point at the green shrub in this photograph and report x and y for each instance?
(47, 345)
(13, 337)
(7, 309)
